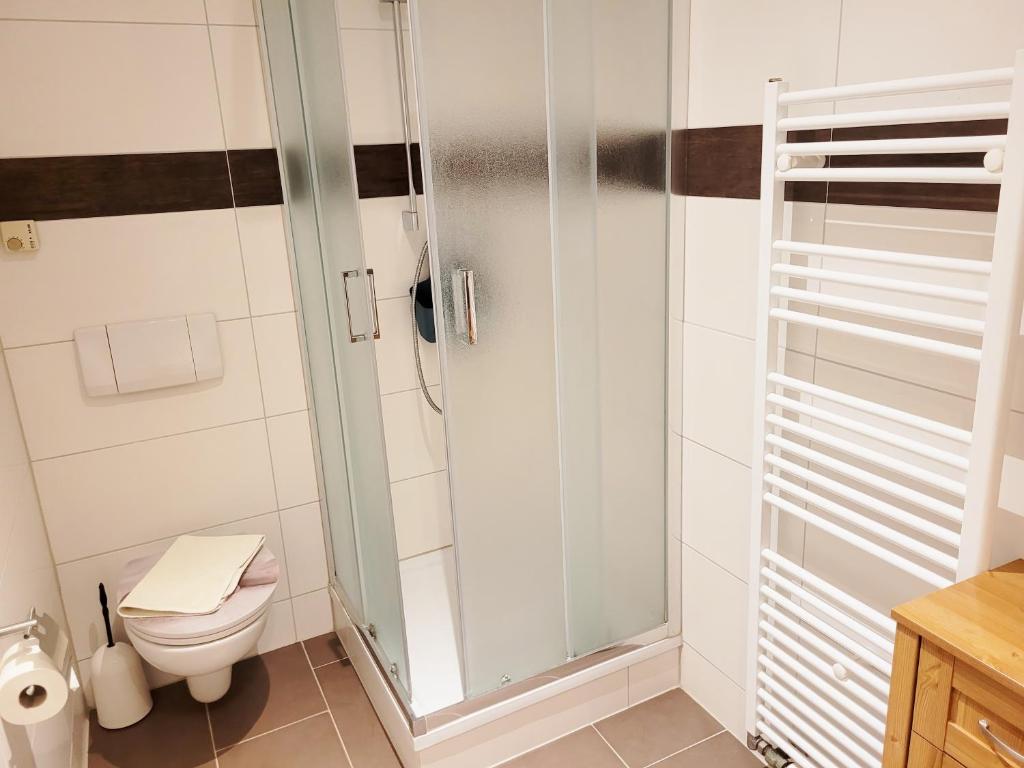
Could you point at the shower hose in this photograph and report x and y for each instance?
(416, 331)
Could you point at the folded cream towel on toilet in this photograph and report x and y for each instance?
(195, 576)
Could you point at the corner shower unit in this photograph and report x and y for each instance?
(544, 141)
(901, 498)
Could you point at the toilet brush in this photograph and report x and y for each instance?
(119, 686)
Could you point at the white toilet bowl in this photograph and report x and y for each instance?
(202, 649)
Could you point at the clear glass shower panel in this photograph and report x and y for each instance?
(341, 274)
(608, 84)
(483, 113)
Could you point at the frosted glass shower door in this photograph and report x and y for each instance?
(545, 131)
(483, 118)
(338, 316)
(608, 65)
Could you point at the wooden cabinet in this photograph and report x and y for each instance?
(957, 694)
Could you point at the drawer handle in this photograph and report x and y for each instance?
(1001, 747)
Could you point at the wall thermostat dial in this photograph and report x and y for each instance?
(19, 236)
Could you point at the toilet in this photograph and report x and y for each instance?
(202, 649)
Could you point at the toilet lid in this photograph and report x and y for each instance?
(243, 606)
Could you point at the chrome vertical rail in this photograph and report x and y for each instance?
(410, 217)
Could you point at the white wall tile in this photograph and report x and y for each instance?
(720, 696)
(124, 88)
(78, 579)
(281, 374)
(312, 614)
(28, 580)
(109, 269)
(117, 497)
(243, 99)
(735, 46)
(59, 418)
(423, 515)
(413, 433)
(715, 614)
(653, 676)
(280, 628)
(718, 391)
(673, 490)
(396, 367)
(721, 263)
(389, 250)
(886, 41)
(304, 542)
(230, 12)
(716, 507)
(265, 255)
(369, 14)
(153, 11)
(371, 85)
(292, 450)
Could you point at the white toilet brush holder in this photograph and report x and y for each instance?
(119, 686)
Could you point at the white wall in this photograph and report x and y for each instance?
(119, 477)
(735, 46)
(27, 581)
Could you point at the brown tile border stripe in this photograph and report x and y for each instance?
(726, 162)
(381, 170)
(85, 186)
(255, 177)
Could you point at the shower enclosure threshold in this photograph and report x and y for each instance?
(412, 735)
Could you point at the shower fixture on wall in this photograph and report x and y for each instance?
(422, 320)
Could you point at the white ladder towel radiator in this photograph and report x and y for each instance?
(912, 492)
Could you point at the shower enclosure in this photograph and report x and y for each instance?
(544, 128)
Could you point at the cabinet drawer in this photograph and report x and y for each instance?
(974, 699)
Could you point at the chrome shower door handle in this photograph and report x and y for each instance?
(372, 297)
(469, 301)
(1001, 748)
(372, 286)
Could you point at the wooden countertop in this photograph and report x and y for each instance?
(980, 620)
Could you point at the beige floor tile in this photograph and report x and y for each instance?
(365, 740)
(583, 747)
(173, 735)
(266, 692)
(721, 751)
(323, 649)
(311, 743)
(657, 728)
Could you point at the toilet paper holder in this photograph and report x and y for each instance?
(24, 627)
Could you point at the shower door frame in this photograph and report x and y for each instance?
(347, 615)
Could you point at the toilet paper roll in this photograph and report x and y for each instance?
(32, 689)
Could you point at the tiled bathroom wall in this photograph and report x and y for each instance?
(28, 581)
(734, 47)
(143, 145)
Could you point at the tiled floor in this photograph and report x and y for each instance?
(668, 731)
(303, 706)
